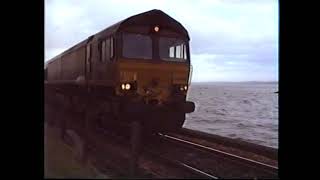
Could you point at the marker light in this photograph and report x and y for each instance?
(156, 28)
(128, 86)
(185, 87)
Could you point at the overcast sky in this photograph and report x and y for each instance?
(231, 40)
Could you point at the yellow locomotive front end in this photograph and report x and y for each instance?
(153, 76)
(153, 83)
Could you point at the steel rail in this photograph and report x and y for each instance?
(173, 162)
(265, 167)
(182, 165)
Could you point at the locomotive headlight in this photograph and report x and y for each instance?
(128, 86)
(132, 86)
(183, 87)
(156, 28)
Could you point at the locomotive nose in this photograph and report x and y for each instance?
(154, 83)
(154, 92)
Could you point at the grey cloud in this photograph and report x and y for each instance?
(230, 37)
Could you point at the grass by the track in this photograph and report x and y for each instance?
(60, 161)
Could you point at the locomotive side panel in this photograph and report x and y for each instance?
(73, 64)
(53, 69)
(111, 63)
(103, 65)
(96, 64)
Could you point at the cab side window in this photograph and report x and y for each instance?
(102, 51)
(88, 53)
(178, 51)
(88, 56)
(106, 49)
(172, 49)
(111, 47)
(184, 51)
(171, 52)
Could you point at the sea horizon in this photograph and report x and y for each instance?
(272, 82)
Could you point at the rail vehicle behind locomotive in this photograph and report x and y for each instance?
(141, 65)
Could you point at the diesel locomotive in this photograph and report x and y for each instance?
(136, 69)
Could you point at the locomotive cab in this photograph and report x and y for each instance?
(154, 65)
(153, 69)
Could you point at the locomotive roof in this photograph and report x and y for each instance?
(153, 17)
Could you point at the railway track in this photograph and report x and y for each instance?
(181, 158)
(271, 170)
(174, 168)
(192, 172)
(169, 156)
(268, 155)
